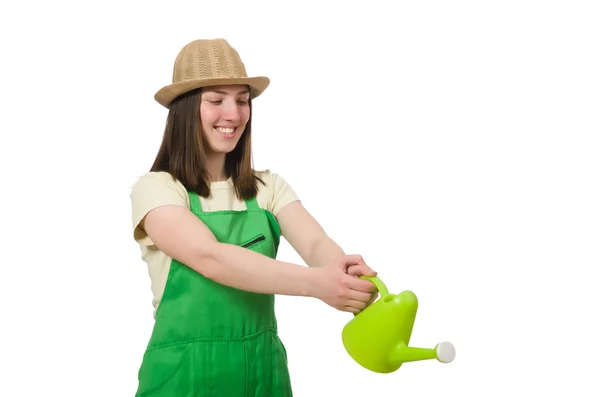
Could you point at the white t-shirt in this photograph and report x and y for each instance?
(156, 189)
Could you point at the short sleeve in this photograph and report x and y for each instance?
(152, 190)
(282, 193)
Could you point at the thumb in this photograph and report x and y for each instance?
(361, 270)
(351, 260)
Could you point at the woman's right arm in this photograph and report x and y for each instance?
(184, 237)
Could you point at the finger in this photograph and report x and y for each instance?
(350, 260)
(358, 296)
(350, 309)
(375, 295)
(345, 308)
(361, 270)
(359, 284)
(359, 305)
(355, 270)
(355, 306)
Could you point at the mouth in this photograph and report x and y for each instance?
(227, 132)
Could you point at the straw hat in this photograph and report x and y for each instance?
(204, 63)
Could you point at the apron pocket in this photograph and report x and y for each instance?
(161, 370)
(281, 377)
(227, 373)
(255, 240)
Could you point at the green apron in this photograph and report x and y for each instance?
(213, 340)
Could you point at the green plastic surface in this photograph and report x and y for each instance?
(378, 337)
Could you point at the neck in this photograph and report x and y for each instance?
(215, 165)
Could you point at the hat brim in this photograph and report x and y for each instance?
(165, 95)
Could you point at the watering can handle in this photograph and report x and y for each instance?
(383, 291)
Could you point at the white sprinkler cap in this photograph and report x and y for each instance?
(445, 352)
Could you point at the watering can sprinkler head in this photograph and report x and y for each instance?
(378, 337)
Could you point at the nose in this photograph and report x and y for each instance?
(230, 111)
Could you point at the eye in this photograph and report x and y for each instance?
(242, 102)
(217, 102)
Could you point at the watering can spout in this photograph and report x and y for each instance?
(444, 352)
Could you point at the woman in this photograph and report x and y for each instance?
(209, 227)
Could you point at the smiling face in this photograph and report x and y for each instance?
(224, 112)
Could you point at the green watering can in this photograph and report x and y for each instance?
(377, 338)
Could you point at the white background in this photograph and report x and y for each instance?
(461, 143)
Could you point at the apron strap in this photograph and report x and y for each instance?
(252, 204)
(195, 205)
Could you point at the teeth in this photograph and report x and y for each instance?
(224, 130)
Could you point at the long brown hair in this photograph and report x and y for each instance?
(182, 152)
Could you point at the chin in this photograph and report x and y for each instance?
(223, 148)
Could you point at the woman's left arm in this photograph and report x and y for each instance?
(310, 241)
